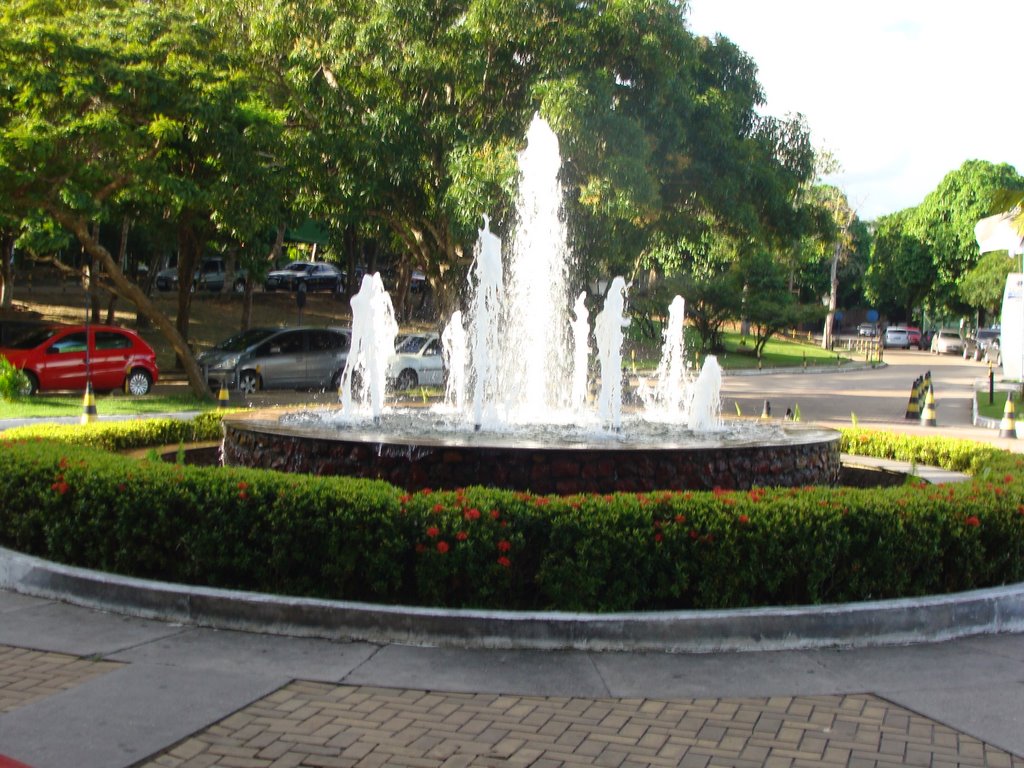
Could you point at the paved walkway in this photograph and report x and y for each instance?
(84, 689)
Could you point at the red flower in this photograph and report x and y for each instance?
(472, 514)
(63, 462)
(504, 562)
(438, 508)
(461, 536)
(243, 485)
(433, 532)
(426, 491)
(972, 521)
(658, 537)
(694, 535)
(743, 519)
(442, 547)
(405, 498)
(680, 518)
(495, 514)
(504, 545)
(60, 487)
(1007, 478)
(243, 495)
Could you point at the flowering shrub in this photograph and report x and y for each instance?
(353, 539)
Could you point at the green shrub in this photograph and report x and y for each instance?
(343, 538)
(13, 382)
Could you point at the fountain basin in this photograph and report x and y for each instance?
(416, 457)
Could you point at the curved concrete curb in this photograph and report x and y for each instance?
(888, 622)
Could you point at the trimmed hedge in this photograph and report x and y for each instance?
(351, 539)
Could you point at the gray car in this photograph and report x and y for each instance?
(278, 358)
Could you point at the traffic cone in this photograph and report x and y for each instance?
(928, 414)
(1008, 426)
(88, 405)
(913, 404)
(223, 398)
(766, 412)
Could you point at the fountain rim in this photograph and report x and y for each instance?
(270, 421)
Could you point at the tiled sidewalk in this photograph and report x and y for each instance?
(317, 724)
(27, 676)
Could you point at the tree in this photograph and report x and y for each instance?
(945, 222)
(983, 286)
(901, 273)
(139, 109)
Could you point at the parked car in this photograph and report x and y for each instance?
(67, 357)
(278, 358)
(867, 329)
(896, 338)
(947, 341)
(976, 345)
(313, 276)
(417, 361)
(209, 276)
(914, 334)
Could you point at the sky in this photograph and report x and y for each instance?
(901, 92)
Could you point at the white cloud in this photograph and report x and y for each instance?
(901, 91)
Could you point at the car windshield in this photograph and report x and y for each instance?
(33, 339)
(410, 345)
(299, 266)
(245, 339)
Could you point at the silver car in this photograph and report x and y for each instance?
(417, 362)
(278, 358)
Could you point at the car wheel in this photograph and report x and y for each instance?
(407, 379)
(138, 382)
(249, 383)
(31, 385)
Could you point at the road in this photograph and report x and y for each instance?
(876, 397)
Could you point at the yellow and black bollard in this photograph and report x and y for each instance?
(766, 412)
(223, 398)
(914, 403)
(928, 414)
(89, 405)
(1008, 426)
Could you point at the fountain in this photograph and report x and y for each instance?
(516, 413)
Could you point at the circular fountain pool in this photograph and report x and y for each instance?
(417, 448)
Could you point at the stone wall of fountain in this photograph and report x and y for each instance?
(794, 456)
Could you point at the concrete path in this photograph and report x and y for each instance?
(83, 689)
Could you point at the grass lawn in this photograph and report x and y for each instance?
(995, 411)
(779, 352)
(43, 405)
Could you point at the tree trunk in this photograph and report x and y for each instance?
(6, 269)
(833, 298)
(133, 293)
(189, 249)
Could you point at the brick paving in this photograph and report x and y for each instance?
(324, 725)
(27, 676)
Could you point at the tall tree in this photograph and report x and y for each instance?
(128, 103)
(945, 223)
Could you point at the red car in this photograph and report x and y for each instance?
(66, 356)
